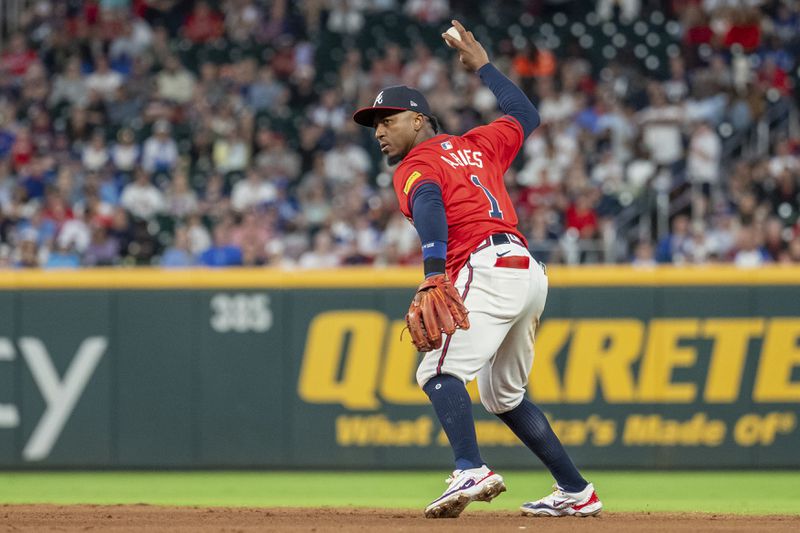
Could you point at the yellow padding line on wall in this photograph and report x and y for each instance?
(376, 277)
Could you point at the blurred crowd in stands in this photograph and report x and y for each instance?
(178, 133)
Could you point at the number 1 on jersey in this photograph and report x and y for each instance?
(494, 212)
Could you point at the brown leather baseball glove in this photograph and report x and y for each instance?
(436, 308)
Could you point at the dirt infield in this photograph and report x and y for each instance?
(121, 518)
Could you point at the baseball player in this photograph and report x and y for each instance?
(476, 312)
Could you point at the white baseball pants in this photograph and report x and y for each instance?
(505, 290)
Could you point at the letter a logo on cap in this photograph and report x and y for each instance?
(378, 99)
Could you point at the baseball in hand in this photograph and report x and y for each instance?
(452, 32)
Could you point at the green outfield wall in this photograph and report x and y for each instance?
(258, 368)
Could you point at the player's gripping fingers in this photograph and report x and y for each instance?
(452, 41)
(472, 54)
(462, 31)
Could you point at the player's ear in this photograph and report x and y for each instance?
(419, 121)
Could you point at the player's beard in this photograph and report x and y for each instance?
(392, 160)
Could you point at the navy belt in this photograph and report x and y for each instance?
(505, 238)
(498, 239)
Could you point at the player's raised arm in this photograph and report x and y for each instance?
(510, 98)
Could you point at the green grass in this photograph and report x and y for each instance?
(714, 492)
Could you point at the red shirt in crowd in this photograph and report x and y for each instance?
(583, 220)
(699, 35)
(204, 25)
(747, 35)
(776, 78)
(17, 63)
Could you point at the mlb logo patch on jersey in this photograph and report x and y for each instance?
(410, 181)
(447, 145)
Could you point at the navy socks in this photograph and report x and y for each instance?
(453, 406)
(531, 426)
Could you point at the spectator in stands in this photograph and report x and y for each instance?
(22, 149)
(775, 241)
(5, 257)
(346, 161)
(124, 109)
(784, 160)
(703, 158)
(214, 199)
(329, 114)
(428, 11)
(243, 18)
(265, 92)
(252, 191)
(28, 253)
(181, 200)
(141, 198)
(198, 235)
(175, 83)
(661, 125)
(722, 235)
(423, 70)
(125, 152)
(103, 80)
(783, 195)
(581, 216)
(643, 255)
(132, 40)
(275, 155)
(554, 106)
(203, 24)
(62, 257)
(160, 153)
(95, 154)
(542, 239)
(15, 60)
(73, 232)
(179, 254)
(672, 248)
(749, 253)
(322, 255)
(792, 253)
(144, 246)
(698, 249)
(743, 28)
(69, 88)
(534, 61)
(231, 152)
(223, 253)
(253, 234)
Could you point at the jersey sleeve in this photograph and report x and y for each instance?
(408, 177)
(502, 139)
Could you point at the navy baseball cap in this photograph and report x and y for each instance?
(395, 98)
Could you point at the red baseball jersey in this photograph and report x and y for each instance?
(469, 170)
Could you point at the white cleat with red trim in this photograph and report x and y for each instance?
(464, 487)
(561, 503)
